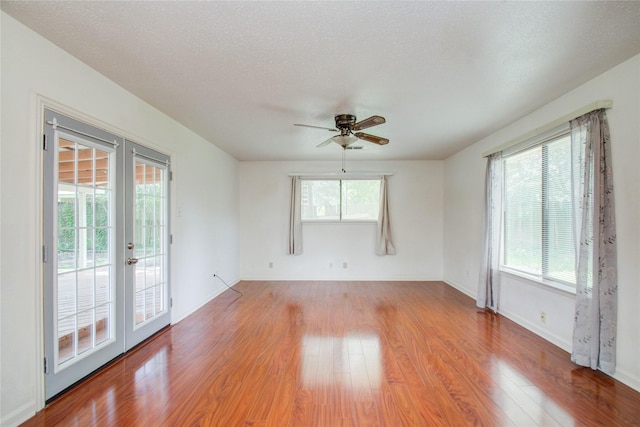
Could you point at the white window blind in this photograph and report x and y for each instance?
(538, 235)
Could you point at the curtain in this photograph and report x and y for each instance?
(384, 240)
(295, 219)
(594, 334)
(489, 274)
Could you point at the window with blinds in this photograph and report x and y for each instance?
(537, 234)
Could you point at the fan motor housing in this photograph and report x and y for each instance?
(345, 121)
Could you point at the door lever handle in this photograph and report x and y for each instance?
(132, 261)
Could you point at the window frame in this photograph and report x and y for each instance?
(340, 219)
(541, 141)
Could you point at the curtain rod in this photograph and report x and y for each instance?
(597, 105)
(339, 174)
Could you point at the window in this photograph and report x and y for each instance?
(340, 199)
(537, 233)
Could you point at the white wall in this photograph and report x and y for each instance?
(416, 215)
(520, 299)
(204, 199)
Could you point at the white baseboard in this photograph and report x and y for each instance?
(202, 303)
(627, 379)
(552, 338)
(19, 415)
(457, 286)
(357, 278)
(620, 375)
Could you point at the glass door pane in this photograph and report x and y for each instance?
(150, 225)
(85, 276)
(82, 301)
(147, 231)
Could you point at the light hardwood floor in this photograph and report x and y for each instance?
(345, 354)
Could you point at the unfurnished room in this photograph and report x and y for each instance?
(319, 213)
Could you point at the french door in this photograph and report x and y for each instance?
(105, 251)
(146, 243)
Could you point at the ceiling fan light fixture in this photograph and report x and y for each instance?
(344, 140)
(346, 124)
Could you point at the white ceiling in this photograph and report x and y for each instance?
(444, 74)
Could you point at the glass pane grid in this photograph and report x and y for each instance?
(150, 235)
(84, 202)
(102, 324)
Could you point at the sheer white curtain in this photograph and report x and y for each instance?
(488, 285)
(594, 334)
(384, 239)
(295, 219)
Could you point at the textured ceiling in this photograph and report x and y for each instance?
(444, 74)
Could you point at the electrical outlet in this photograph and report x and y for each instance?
(543, 317)
(270, 264)
(344, 265)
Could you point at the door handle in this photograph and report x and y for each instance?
(132, 261)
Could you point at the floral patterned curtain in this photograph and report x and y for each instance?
(594, 334)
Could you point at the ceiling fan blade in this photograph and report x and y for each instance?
(316, 127)
(372, 138)
(369, 122)
(327, 142)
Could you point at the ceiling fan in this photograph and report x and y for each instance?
(346, 124)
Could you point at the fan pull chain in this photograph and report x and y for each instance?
(344, 155)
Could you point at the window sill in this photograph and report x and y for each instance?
(541, 282)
